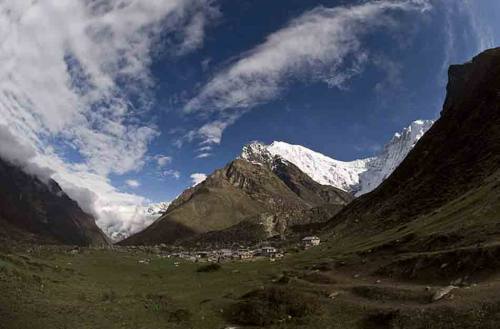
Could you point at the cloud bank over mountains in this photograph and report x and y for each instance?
(74, 86)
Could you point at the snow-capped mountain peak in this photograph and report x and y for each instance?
(393, 153)
(319, 167)
(358, 176)
(256, 152)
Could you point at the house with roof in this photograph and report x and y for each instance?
(268, 251)
(310, 241)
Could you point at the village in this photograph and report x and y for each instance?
(216, 255)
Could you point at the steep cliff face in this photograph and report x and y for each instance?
(267, 197)
(448, 185)
(43, 210)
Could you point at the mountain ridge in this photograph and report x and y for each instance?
(357, 176)
(271, 195)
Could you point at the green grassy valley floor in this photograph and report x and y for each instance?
(53, 288)
(107, 289)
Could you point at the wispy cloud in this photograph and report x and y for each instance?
(203, 155)
(171, 173)
(392, 74)
(468, 23)
(77, 73)
(205, 148)
(324, 44)
(483, 29)
(201, 14)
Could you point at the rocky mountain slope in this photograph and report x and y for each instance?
(358, 176)
(270, 196)
(274, 187)
(41, 212)
(446, 193)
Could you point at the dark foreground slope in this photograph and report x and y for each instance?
(446, 193)
(36, 211)
(267, 199)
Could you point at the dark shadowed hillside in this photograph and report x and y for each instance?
(41, 212)
(447, 191)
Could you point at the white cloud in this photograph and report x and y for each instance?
(197, 178)
(162, 160)
(12, 150)
(76, 73)
(19, 154)
(118, 214)
(212, 132)
(171, 173)
(323, 44)
(133, 183)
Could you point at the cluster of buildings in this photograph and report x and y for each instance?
(222, 255)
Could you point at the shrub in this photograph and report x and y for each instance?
(108, 296)
(157, 302)
(81, 297)
(319, 278)
(273, 305)
(179, 315)
(209, 268)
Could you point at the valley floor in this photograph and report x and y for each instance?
(55, 288)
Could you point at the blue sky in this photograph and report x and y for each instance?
(403, 80)
(124, 100)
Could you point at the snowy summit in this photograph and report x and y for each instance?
(357, 176)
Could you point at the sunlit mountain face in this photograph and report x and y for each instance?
(127, 103)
